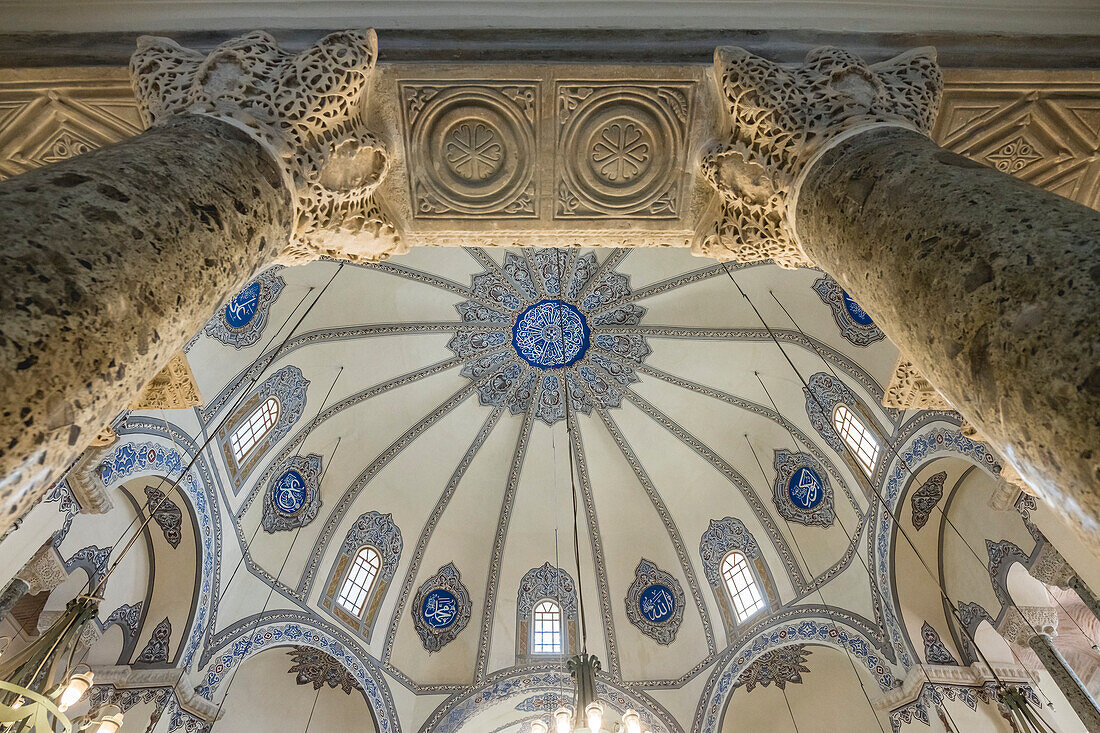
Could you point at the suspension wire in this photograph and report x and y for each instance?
(557, 564)
(844, 527)
(820, 593)
(789, 710)
(873, 493)
(901, 461)
(312, 709)
(206, 442)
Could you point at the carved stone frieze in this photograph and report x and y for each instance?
(472, 148)
(909, 390)
(306, 109)
(173, 388)
(1021, 623)
(781, 117)
(620, 150)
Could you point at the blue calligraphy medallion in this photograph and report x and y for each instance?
(242, 309)
(657, 603)
(440, 608)
(550, 334)
(805, 488)
(290, 492)
(855, 310)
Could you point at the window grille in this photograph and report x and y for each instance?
(742, 587)
(546, 633)
(859, 439)
(357, 586)
(254, 428)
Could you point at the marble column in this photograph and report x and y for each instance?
(112, 260)
(1068, 682)
(1085, 594)
(10, 595)
(988, 285)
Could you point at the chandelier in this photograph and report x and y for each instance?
(589, 710)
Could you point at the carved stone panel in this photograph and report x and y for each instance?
(472, 149)
(620, 149)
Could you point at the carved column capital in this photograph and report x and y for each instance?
(1021, 623)
(1051, 568)
(909, 390)
(173, 388)
(782, 118)
(43, 571)
(306, 109)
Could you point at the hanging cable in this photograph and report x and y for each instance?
(873, 491)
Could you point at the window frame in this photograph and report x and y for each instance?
(754, 586)
(857, 437)
(261, 415)
(557, 617)
(363, 592)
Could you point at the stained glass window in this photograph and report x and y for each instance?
(360, 580)
(859, 439)
(747, 599)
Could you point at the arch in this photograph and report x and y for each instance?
(359, 580)
(537, 586)
(162, 459)
(375, 531)
(742, 586)
(517, 692)
(784, 631)
(247, 639)
(722, 537)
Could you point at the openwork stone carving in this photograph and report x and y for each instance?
(441, 608)
(472, 149)
(44, 571)
(1021, 623)
(855, 323)
(655, 602)
(780, 666)
(781, 118)
(173, 388)
(620, 150)
(242, 320)
(926, 497)
(909, 390)
(802, 492)
(293, 495)
(306, 109)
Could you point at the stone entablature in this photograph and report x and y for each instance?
(546, 123)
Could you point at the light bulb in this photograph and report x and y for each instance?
(632, 721)
(18, 703)
(563, 720)
(594, 713)
(539, 727)
(109, 723)
(78, 685)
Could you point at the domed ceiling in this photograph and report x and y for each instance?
(427, 406)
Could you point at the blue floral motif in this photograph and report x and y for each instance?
(551, 312)
(854, 322)
(242, 320)
(242, 308)
(802, 493)
(855, 310)
(442, 608)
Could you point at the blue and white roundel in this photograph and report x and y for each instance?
(855, 310)
(242, 309)
(550, 334)
(289, 494)
(805, 488)
(440, 608)
(657, 603)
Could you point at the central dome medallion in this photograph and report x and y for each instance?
(574, 330)
(550, 334)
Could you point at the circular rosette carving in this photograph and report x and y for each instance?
(620, 150)
(471, 149)
(532, 352)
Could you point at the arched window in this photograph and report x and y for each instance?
(546, 637)
(856, 435)
(742, 587)
(360, 580)
(254, 428)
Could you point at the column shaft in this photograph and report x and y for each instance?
(13, 591)
(1068, 682)
(1085, 594)
(109, 263)
(990, 285)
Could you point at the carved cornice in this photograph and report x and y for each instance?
(976, 675)
(126, 677)
(87, 486)
(173, 388)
